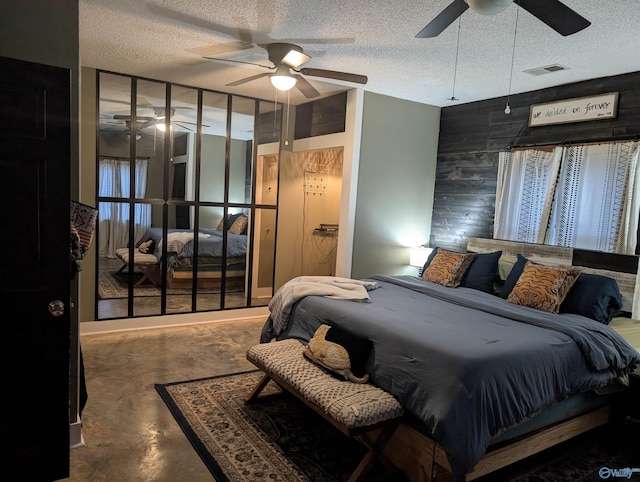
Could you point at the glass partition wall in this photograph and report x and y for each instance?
(187, 196)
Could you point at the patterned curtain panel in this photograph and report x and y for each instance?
(583, 196)
(596, 203)
(525, 192)
(114, 181)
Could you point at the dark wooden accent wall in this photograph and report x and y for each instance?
(321, 117)
(472, 135)
(315, 118)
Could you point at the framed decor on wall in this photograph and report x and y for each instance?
(579, 109)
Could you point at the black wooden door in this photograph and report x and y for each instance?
(34, 270)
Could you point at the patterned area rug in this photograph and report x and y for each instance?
(112, 285)
(276, 439)
(280, 439)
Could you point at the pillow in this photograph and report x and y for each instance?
(340, 352)
(231, 218)
(447, 268)
(543, 287)
(433, 253)
(514, 274)
(482, 272)
(239, 225)
(594, 296)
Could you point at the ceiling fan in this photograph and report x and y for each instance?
(286, 72)
(554, 13)
(157, 120)
(125, 120)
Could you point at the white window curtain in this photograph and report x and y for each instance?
(114, 181)
(596, 205)
(580, 196)
(525, 191)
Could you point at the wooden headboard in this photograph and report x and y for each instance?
(621, 267)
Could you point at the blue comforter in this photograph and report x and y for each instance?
(209, 247)
(466, 363)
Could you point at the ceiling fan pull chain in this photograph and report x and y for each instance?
(286, 135)
(507, 108)
(275, 114)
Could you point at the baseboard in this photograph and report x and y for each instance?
(148, 322)
(75, 435)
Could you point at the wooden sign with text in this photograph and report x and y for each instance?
(580, 109)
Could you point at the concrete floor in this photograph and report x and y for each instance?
(128, 432)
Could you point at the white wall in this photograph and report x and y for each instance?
(396, 179)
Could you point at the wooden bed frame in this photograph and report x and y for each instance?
(206, 279)
(421, 459)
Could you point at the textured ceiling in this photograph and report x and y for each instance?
(166, 40)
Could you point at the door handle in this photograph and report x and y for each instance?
(56, 308)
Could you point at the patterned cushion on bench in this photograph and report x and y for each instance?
(138, 257)
(352, 404)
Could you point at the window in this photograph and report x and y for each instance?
(114, 181)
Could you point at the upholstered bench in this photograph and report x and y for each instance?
(147, 263)
(359, 410)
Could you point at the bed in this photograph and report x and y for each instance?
(478, 373)
(180, 256)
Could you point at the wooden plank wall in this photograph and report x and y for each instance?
(314, 118)
(472, 135)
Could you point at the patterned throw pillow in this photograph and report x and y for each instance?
(239, 226)
(447, 268)
(543, 287)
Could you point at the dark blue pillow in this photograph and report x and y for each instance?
(594, 296)
(514, 274)
(429, 259)
(483, 272)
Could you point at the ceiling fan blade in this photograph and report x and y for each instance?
(191, 123)
(303, 85)
(183, 126)
(237, 62)
(247, 79)
(200, 23)
(333, 74)
(149, 123)
(127, 117)
(556, 15)
(444, 19)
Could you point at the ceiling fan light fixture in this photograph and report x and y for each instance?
(282, 82)
(295, 58)
(162, 127)
(488, 7)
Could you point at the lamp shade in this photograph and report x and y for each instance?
(282, 82)
(418, 256)
(488, 7)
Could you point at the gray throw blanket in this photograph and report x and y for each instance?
(328, 286)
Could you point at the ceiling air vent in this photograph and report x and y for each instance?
(548, 69)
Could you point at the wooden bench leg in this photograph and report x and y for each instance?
(374, 452)
(149, 272)
(253, 395)
(145, 276)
